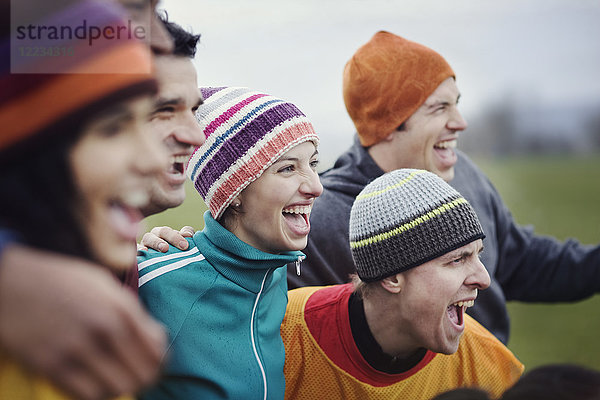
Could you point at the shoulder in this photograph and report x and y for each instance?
(152, 264)
(173, 252)
(480, 342)
(311, 299)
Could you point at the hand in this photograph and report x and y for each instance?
(160, 237)
(72, 322)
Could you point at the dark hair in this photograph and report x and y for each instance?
(556, 382)
(41, 201)
(185, 42)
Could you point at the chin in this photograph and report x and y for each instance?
(119, 259)
(298, 245)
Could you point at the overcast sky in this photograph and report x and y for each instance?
(546, 51)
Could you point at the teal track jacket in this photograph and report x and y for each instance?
(222, 302)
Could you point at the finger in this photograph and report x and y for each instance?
(124, 353)
(170, 236)
(79, 385)
(110, 374)
(187, 231)
(141, 247)
(144, 348)
(151, 240)
(75, 379)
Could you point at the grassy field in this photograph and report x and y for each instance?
(560, 197)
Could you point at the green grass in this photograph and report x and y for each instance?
(189, 213)
(560, 197)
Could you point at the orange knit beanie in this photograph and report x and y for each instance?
(386, 81)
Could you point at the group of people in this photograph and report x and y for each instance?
(384, 251)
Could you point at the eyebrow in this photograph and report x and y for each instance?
(454, 254)
(458, 254)
(174, 101)
(442, 103)
(283, 158)
(162, 101)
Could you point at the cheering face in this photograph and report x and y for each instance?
(173, 121)
(434, 296)
(431, 133)
(275, 208)
(112, 163)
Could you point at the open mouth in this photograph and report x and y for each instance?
(178, 163)
(297, 219)
(456, 311)
(124, 213)
(445, 153)
(446, 144)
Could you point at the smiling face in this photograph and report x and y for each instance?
(433, 297)
(430, 135)
(112, 164)
(274, 209)
(173, 121)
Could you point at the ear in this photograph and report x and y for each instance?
(390, 136)
(236, 202)
(393, 284)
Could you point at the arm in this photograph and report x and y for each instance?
(540, 268)
(71, 321)
(528, 267)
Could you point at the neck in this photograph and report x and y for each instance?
(384, 326)
(383, 157)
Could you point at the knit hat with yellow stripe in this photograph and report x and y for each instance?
(404, 219)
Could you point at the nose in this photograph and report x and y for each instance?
(457, 121)
(311, 187)
(479, 277)
(189, 132)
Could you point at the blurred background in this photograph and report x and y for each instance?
(528, 72)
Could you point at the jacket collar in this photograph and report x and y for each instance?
(235, 259)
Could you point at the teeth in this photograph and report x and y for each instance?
(179, 159)
(135, 199)
(448, 144)
(469, 303)
(298, 210)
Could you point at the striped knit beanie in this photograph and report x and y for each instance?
(246, 132)
(386, 81)
(405, 218)
(71, 77)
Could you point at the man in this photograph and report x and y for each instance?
(173, 120)
(115, 324)
(401, 331)
(402, 98)
(173, 117)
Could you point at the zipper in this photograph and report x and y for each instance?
(254, 348)
(298, 261)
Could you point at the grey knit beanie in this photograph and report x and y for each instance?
(404, 219)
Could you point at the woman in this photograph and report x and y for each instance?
(224, 298)
(76, 163)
